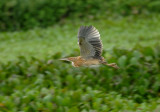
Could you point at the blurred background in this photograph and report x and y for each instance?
(34, 34)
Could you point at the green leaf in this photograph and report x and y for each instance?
(73, 109)
(122, 61)
(134, 61)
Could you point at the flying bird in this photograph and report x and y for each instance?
(90, 49)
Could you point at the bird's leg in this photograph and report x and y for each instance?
(114, 65)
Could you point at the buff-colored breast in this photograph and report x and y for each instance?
(82, 62)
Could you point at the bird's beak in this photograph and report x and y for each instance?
(64, 59)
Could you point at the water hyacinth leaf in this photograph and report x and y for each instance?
(137, 54)
(58, 100)
(147, 51)
(48, 98)
(149, 58)
(64, 88)
(96, 105)
(70, 79)
(77, 95)
(122, 61)
(73, 109)
(57, 55)
(66, 101)
(134, 61)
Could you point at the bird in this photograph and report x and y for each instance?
(90, 49)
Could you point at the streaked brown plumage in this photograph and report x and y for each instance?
(90, 48)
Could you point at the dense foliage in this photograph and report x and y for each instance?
(25, 14)
(50, 84)
(38, 82)
(41, 43)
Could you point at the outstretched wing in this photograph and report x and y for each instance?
(89, 42)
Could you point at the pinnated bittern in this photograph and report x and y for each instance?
(90, 49)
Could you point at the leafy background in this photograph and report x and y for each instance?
(36, 34)
(25, 14)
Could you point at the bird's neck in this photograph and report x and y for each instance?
(74, 59)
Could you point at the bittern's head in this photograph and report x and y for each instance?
(72, 59)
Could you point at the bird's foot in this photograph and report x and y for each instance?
(114, 65)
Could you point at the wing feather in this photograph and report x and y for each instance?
(89, 42)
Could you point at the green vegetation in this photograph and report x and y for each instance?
(38, 81)
(120, 33)
(26, 14)
(33, 79)
(51, 85)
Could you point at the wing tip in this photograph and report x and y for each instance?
(83, 26)
(85, 31)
